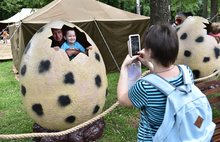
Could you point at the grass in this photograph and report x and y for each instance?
(121, 123)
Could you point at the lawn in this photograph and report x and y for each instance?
(121, 123)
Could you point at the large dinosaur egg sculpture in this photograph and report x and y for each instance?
(197, 49)
(58, 93)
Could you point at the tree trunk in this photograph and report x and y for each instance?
(214, 10)
(160, 11)
(204, 12)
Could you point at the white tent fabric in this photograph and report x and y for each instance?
(20, 15)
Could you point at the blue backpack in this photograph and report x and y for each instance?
(188, 114)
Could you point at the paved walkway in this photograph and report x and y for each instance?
(5, 51)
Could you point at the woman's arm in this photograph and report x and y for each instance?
(122, 88)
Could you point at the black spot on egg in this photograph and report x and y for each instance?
(69, 78)
(98, 81)
(183, 36)
(196, 73)
(200, 39)
(187, 53)
(106, 93)
(37, 108)
(23, 90)
(70, 119)
(40, 30)
(64, 100)
(216, 51)
(27, 48)
(44, 66)
(96, 109)
(97, 57)
(215, 71)
(23, 70)
(206, 59)
(177, 29)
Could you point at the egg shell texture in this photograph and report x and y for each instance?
(197, 49)
(58, 93)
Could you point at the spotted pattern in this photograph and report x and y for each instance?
(37, 108)
(216, 71)
(23, 90)
(187, 53)
(200, 39)
(106, 93)
(177, 29)
(97, 57)
(206, 59)
(217, 52)
(70, 119)
(44, 66)
(196, 73)
(98, 81)
(23, 70)
(96, 109)
(183, 36)
(56, 93)
(40, 30)
(27, 48)
(64, 100)
(69, 78)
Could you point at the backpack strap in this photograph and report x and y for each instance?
(160, 83)
(186, 75)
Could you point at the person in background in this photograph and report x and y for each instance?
(4, 35)
(57, 38)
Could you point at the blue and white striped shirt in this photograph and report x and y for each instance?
(143, 94)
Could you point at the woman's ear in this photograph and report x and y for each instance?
(150, 52)
(64, 37)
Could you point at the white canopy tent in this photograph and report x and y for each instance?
(20, 15)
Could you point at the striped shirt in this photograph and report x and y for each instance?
(144, 94)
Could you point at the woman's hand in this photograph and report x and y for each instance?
(129, 60)
(144, 60)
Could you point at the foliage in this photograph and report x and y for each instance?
(10, 7)
(194, 6)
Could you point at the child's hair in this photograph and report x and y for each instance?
(68, 29)
(163, 41)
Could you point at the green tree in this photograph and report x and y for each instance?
(10, 7)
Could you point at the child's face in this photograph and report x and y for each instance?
(70, 36)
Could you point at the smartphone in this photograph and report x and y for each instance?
(134, 45)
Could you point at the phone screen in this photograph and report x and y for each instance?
(135, 45)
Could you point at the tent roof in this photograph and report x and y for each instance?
(20, 15)
(80, 10)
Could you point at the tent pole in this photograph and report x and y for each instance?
(106, 44)
(11, 37)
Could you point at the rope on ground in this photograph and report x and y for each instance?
(28, 135)
(207, 77)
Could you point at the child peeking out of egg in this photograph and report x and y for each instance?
(71, 46)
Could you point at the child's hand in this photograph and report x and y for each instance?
(76, 49)
(70, 52)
